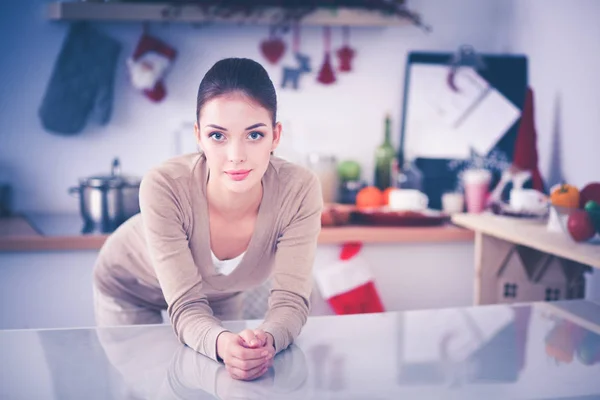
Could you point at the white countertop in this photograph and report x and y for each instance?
(481, 352)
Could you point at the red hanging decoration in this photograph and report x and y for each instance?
(273, 48)
(326, 75)
(346, 53)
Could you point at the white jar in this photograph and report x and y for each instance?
(325, 167)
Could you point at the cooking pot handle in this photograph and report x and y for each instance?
(74, 191)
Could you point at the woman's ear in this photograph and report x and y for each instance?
(197, 132)
(277, 130)
(197, 135)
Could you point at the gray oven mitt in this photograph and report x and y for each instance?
(81, 82)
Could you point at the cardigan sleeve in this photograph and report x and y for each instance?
(292, 277)
(165, 214)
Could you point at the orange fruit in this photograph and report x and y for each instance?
(386, 195)
(369, 196)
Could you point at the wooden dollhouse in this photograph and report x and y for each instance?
(527, 275)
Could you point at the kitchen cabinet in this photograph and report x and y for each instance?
(46, 289)
(52, 289)
(45, 280)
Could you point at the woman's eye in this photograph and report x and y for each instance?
(217, 136)
(255, 135)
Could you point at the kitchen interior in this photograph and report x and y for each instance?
(451, 201)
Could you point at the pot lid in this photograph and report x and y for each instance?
(115, 179)
(102, 181)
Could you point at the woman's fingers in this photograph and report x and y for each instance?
(246, 363)
(261, 336)
(244, 353)
(250, 338)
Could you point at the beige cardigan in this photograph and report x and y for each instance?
(163, 258)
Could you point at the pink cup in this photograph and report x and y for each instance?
(476, 183)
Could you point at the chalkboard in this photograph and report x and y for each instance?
(507, 73)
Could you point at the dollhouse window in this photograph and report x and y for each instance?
(552, 294)
(510, 290)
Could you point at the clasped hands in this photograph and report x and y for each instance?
(247, 355)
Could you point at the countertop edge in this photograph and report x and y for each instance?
(329, 235)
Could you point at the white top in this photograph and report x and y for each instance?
(226, 267)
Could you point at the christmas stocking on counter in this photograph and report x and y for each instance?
(148, 66)
(348, 285)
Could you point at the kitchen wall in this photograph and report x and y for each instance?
(346, 119)
(561, 41)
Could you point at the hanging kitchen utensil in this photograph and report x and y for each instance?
(326, 75)
(292, 74)
(346, 53)
(273, 48)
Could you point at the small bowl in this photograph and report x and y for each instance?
(563, 214)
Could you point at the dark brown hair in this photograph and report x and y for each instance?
(238, 75)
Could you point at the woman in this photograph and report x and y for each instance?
(215, 224)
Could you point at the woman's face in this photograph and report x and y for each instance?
(237, 136)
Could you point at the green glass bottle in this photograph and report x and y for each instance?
(384, 158)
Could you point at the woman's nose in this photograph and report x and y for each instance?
(237, 152)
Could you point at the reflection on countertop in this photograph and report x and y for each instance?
(544, 350)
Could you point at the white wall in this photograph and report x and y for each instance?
(562, 41)
(346, 118)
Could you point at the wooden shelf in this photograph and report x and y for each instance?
(531, 234)
(16, 235)
(131, 12)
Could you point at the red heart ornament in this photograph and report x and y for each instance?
(273, 49)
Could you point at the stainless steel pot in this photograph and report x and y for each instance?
(106, 201)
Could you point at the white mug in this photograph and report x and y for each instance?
(453, 202)
(408, 200)
(527, 200)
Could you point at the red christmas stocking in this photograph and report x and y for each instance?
(348, 285)
(149, 64)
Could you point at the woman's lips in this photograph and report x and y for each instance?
(238, 175)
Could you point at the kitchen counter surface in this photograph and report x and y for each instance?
(539, 350)
(43, 232)
(531, 233)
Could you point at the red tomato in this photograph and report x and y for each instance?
(580, 226)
